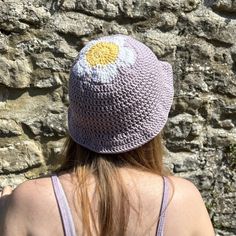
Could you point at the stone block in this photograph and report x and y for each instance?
(20, 156)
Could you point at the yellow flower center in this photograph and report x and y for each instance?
(102, 53)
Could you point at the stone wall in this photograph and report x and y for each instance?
(40, 38)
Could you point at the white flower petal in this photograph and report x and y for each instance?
(107, 73)
(126, 57)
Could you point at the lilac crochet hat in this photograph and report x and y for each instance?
(120, 95)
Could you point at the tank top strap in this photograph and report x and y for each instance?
(65, 212)
(164, 203)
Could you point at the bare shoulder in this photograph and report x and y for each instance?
(27, 202)
(184, 188)
(185, 193)
(35, 192)
(187, 205)
(29, 191)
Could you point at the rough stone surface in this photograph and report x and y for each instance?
(40, 38)
(19, 156)
(224, 5)
(9, 128)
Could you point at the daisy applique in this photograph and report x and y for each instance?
(101, 59)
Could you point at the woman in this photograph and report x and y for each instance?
(112, 180)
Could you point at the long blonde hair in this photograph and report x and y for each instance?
(113, 201)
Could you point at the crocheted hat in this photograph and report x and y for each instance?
(120, 95)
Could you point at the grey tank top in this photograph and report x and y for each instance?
(66, 216)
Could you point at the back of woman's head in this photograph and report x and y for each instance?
(148, 157)
(120, 96)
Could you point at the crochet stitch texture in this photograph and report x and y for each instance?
(120, 95)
